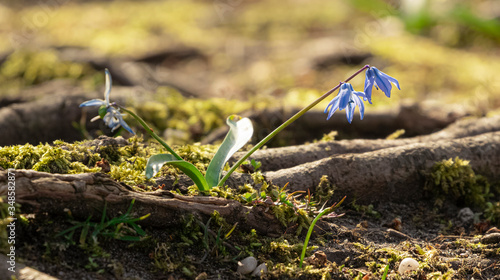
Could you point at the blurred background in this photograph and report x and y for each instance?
(186, 65)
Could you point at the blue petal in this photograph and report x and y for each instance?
(93, 102)
(369, 81)
(113, 119)
(334, 104)
(108, 86)
(350, 111)
(382, 82)
(360, 94)
(361, 106)
(344, 95)
(125, 125)
(391, 79)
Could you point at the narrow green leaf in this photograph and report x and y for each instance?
(240, 131)
(157, 161)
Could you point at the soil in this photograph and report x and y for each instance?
(356, 243)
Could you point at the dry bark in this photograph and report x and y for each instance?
(85, 194)
(286, 157)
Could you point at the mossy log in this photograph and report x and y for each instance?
(86, 194)
(280, 158)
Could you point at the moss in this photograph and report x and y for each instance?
(54, 160)
(130, 171)
(324, 191)
(186, 120)
(327, 137)
(109, 153)
(24, 68)
(456, 181)
(4, 221)
(396, 134)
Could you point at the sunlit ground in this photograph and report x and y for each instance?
(444, 52)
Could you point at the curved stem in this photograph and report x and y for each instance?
(151, 132)
(311, 228)
(309, 232)
(285, 124)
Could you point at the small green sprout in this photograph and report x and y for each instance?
(120, 228)
(328, 211)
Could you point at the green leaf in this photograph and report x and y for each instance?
(240, 131)
(103, 110)
(157, 161)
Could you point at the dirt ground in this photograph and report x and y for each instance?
(361, 242)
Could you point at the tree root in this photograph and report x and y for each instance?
(290, 156)
(391, 174)
(85, 194)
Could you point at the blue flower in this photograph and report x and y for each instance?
(347, 99)
(112, 116)
(379, 79)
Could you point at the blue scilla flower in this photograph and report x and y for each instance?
(112, 116)
(379, 79)
(347, 99)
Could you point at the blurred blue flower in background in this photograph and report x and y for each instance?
(111, 115)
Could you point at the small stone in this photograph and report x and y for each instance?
(394, 224)
(466, 216)
(319, 259)
(407, 264)
(262, 268)
(247, 265)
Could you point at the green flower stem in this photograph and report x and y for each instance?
(309, 232)
(285, 124)
(311, 228)
(152, 133)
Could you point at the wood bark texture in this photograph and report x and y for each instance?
(85, 195)
(286, 157)
(386, 174)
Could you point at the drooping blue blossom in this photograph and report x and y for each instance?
(112, 118)
(380, 80)
(347, 99)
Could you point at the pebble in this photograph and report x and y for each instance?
(466, 216)
(262, 268)
(247, 265)
(407, 264)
